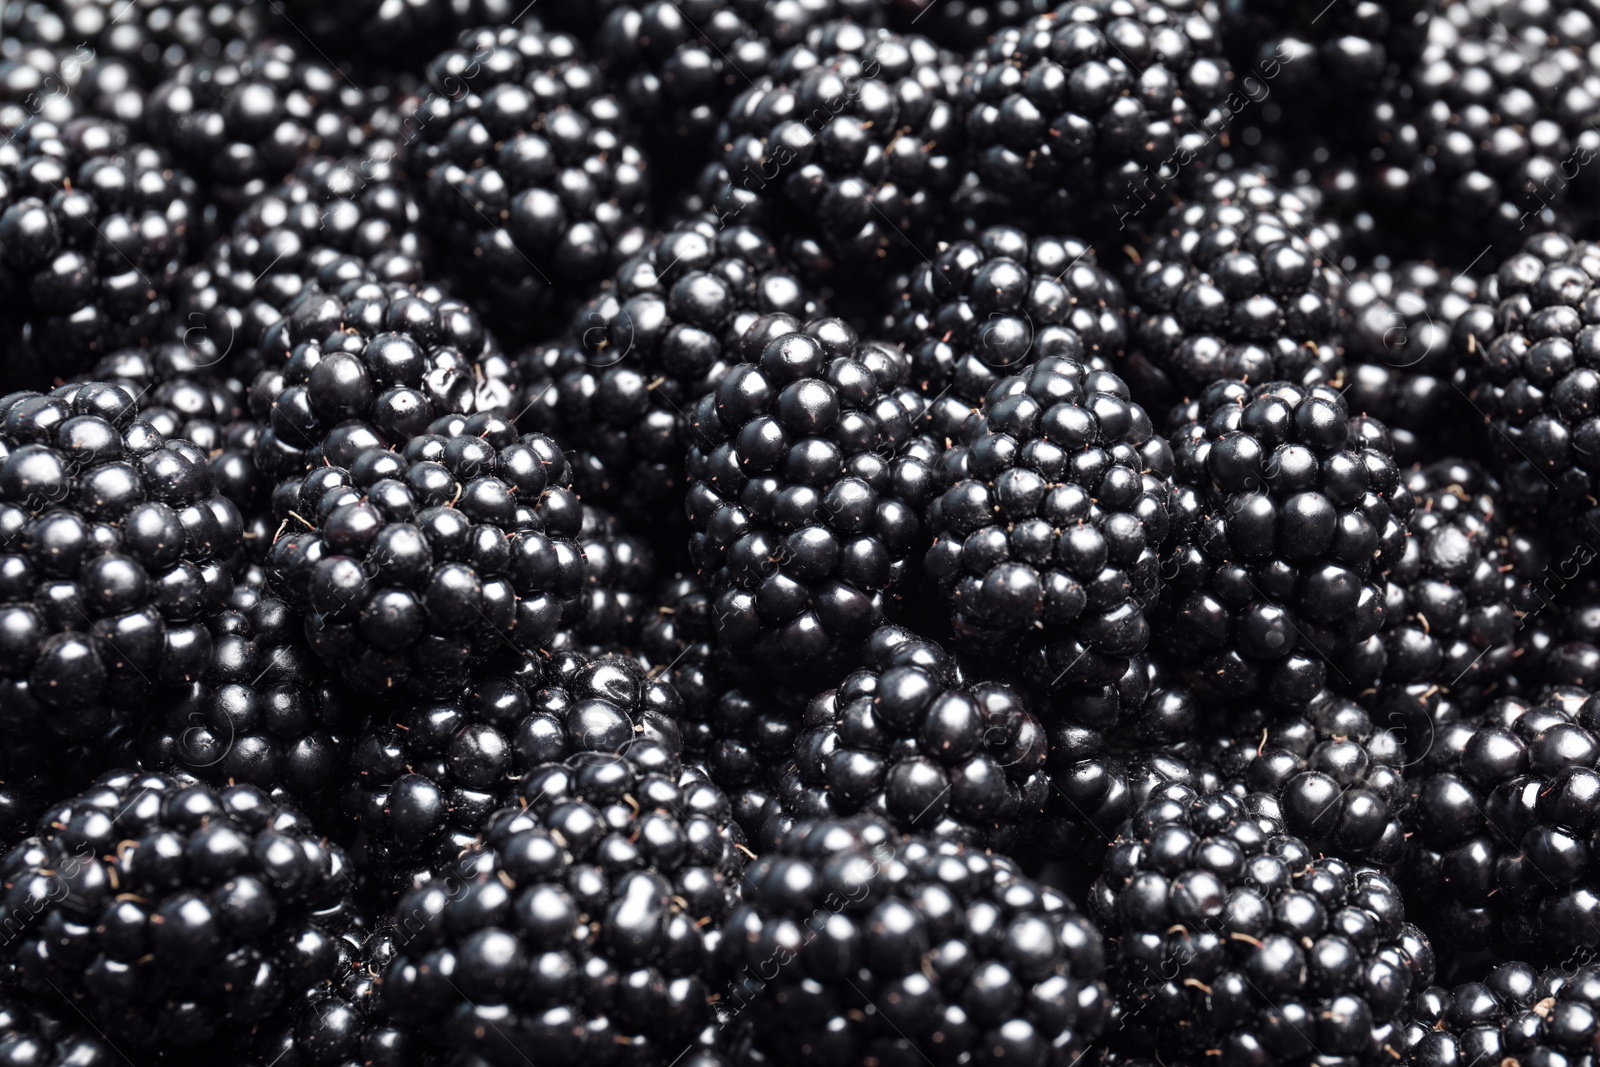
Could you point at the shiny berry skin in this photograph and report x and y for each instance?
(1239, 282)
(986, 308)
(1401, 367)
(1502, 819)
(1513, 1012)
(429, 772)
(1455, 600)
(1099, 107)
(94, 229)
(1287, 514)
(853, 135)
(417, 564)
(264, 711)
(619, 580)
(584, 924)
(32, 1031)
(977, 959)
(171, 913)
(1526, 349)
(1336, 773)
(117, 550)
(244, 119)
(528, 168)
(904, 740)
(1051, 522)
(807, 478)
(640, 353)
(1235, 938)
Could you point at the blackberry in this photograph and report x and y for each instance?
(1099, 105)
(154, 39)
(1233, 938)
(619, 578)
(243, 121)
(584, 927)
(1336, 772)
(49, 75)
(172, 914)
(429, 774)
(907, 740)
(736, 726)
(1516, 1012)
(1111, 748)
(292, 245)
(985, 308)
(806, 481)
(1494, 124)
(639, 355)
(94, 228)
(32, 1031)
(264, 712)
(116, 550)
(855, 945)
(1395, 324)
(1527, 351)
(1054, 510)
(1502, 819)
(416, 564)
(1239, 282)
(528, 168)
(346, 1022)
(1455, 597)
(853, 135)
(1287, 513)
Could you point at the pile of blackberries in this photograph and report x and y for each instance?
(806, 533)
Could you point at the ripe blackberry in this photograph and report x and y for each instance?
(154, 39)
(1098, 106)
(32, 1031)
(346, 1022)
(806, 482)
(1239, 282)
(243, 121)
(171, 914)
(1493, 127)
(855, 945)
(1336, 772)
(738, 727)
(1502, 818)
(907, 740)
(1233, 938)
(853, 135)
(1051, 522)
(619, 578)
(1111, 748)
(1515, 1013)
(264, 712)
(417, 564)
(531, 178)
(1395, 325)
(1455, 597)
(1287, 512)
(584, 927)
(431, 772)
(116, 550)
(94, 228)
(1527, 349)
(983, 309)
(641, 353)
